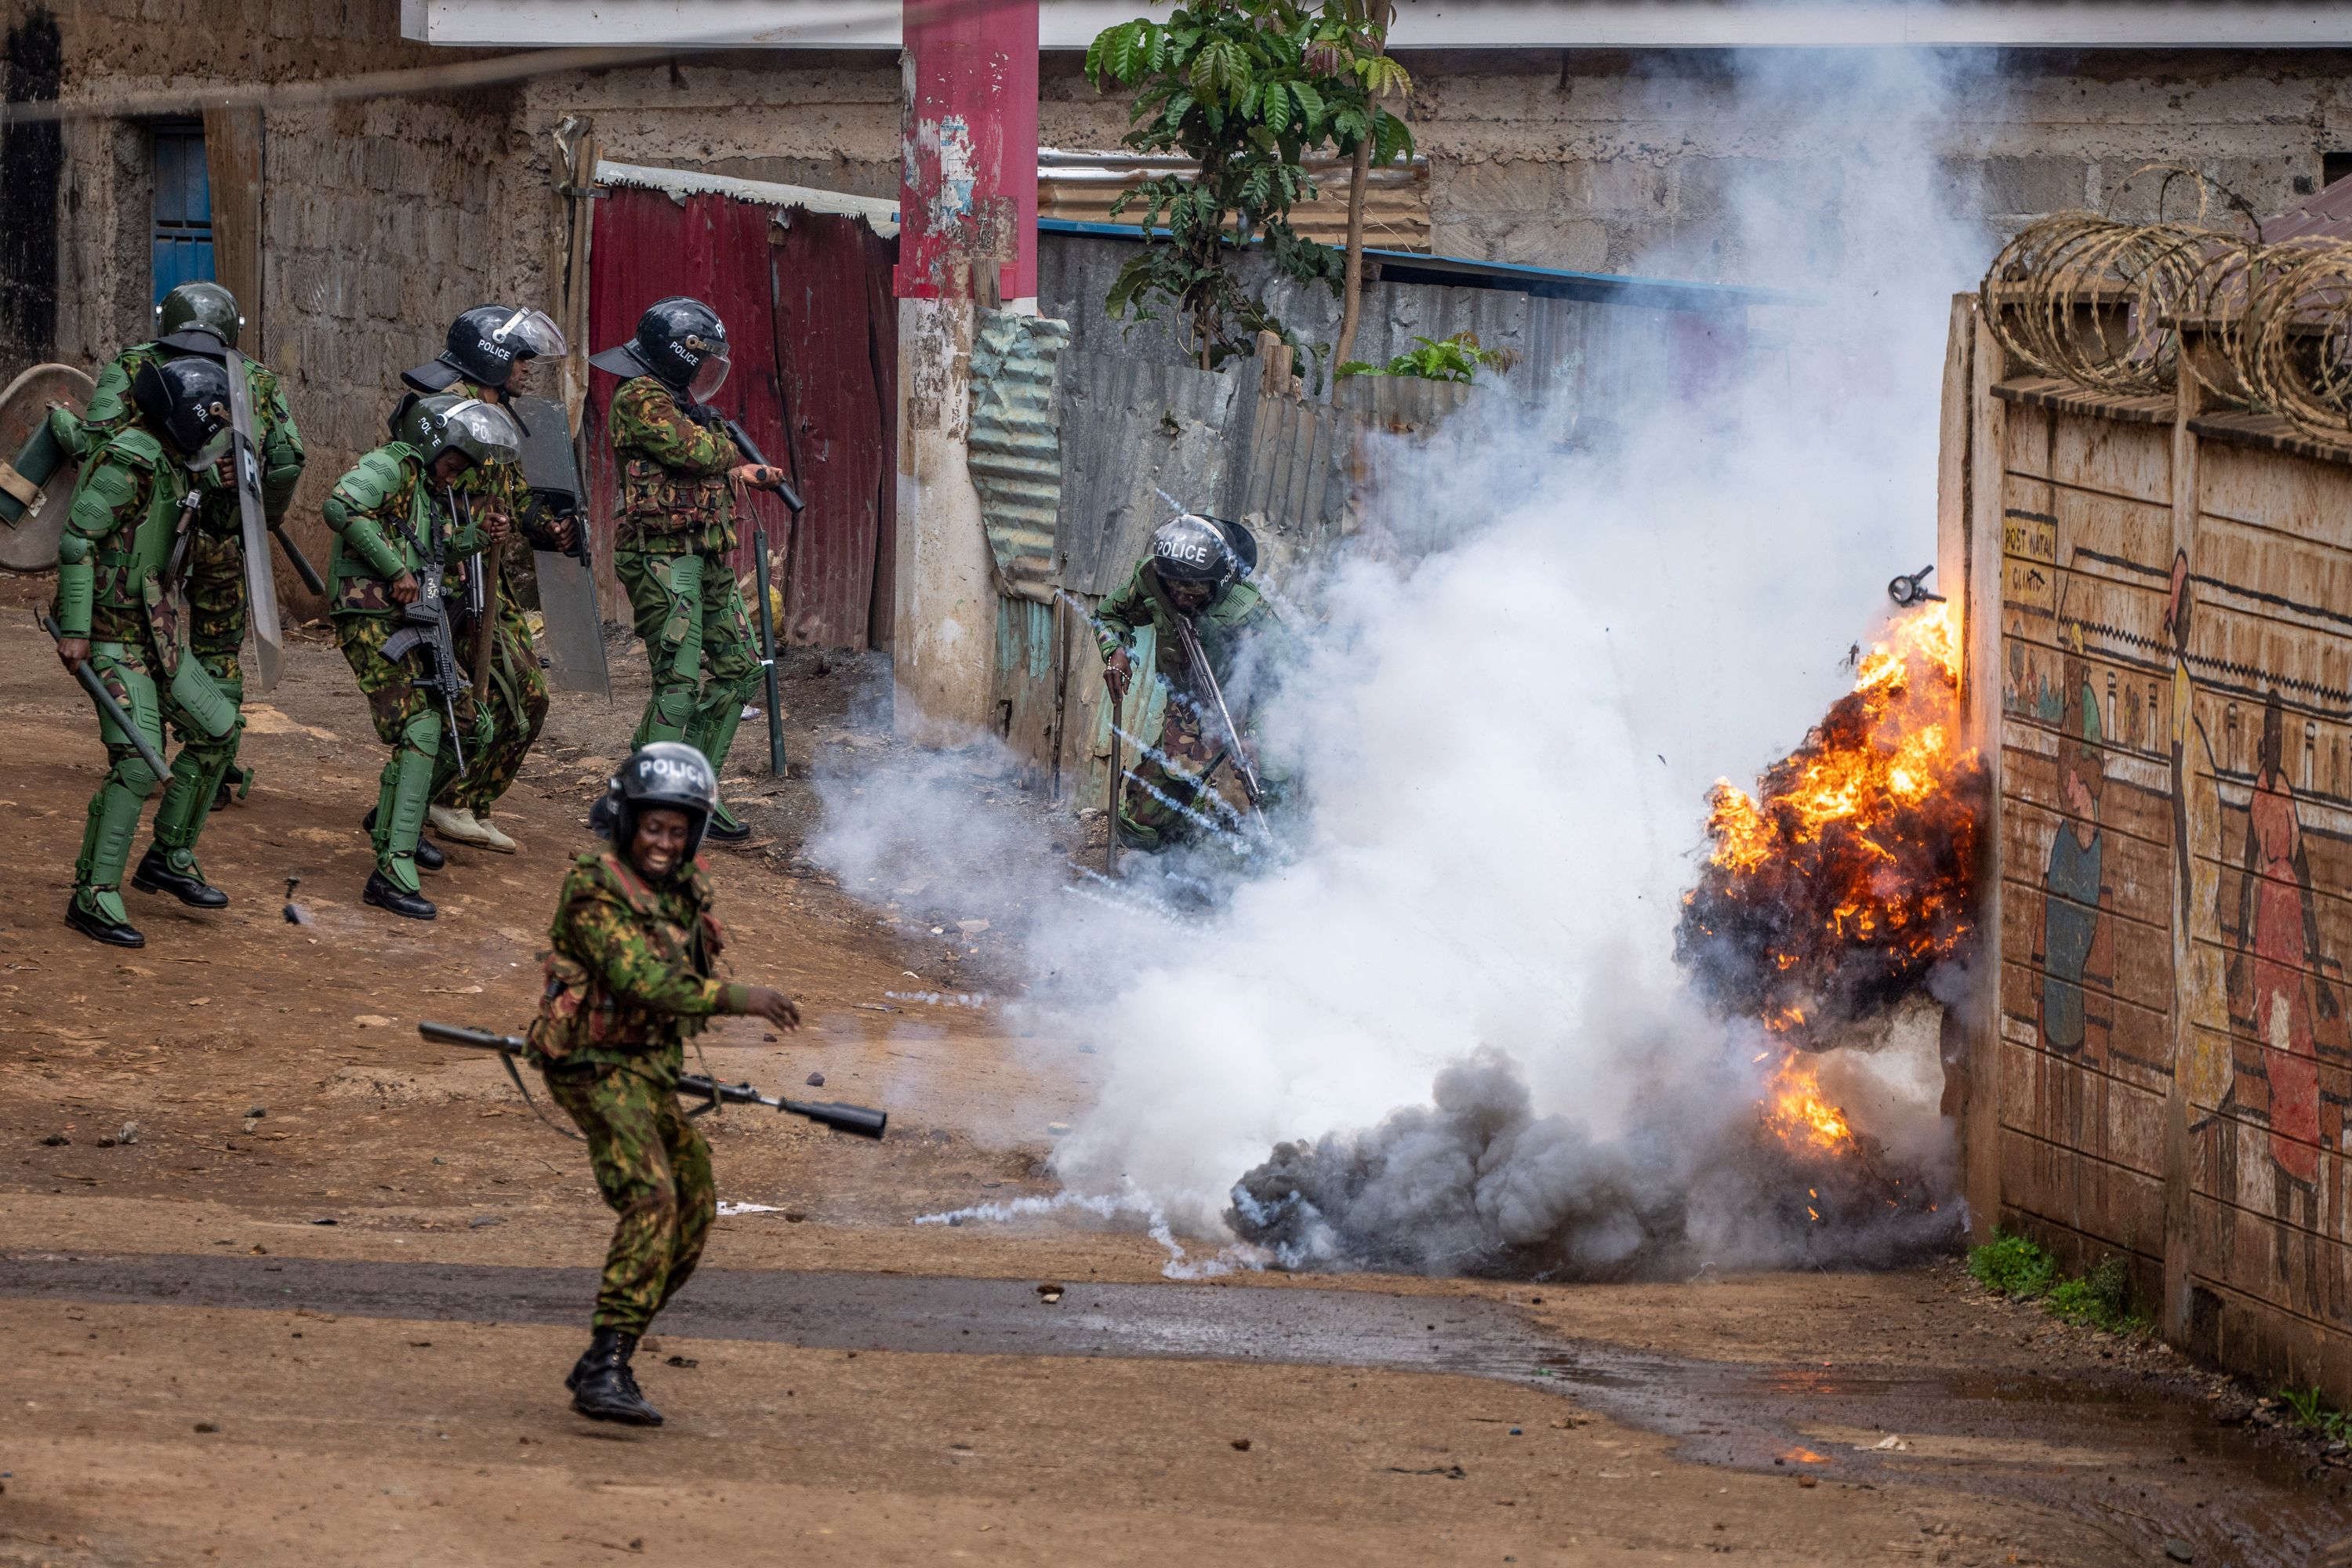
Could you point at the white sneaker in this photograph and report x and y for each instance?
(493, 839)
(458, 826)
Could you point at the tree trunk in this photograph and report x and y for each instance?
(1352, 288)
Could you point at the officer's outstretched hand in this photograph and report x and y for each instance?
(774, 1006)
(758, 476)
(1117, 670)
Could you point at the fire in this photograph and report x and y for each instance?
(1795, 1111)
(1848, 873)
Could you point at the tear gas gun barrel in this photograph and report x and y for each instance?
(1243, 768)
(857, 1119)
(424, 629)
(106, 702)
(750, 448)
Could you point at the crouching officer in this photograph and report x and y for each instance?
(676, 529)
(121, 569)
(397, 529)
(1198, 572)
(629, 979)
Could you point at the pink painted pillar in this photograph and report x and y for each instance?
(969, 175)
(967, 206)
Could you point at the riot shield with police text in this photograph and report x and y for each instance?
(260, 580)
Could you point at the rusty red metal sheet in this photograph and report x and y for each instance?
(836, 330)
(817, 350)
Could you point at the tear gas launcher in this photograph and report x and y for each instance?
(857, 1119)
(792, 498)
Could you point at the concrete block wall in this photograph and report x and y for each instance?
(1619, 163)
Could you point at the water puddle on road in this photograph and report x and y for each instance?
(2147, 1459)
(2144, 1459)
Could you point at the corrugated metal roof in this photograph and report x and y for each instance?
(1549, 282)
(1081, 186)
(2327, 215)
(1015, 444)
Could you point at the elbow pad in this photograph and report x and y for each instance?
(77, 586)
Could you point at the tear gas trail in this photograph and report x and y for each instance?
(1451, 1007)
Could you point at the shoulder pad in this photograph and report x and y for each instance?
(372, 482)
(135, 448)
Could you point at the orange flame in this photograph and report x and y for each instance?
(1848, 870)
(1795, 1111)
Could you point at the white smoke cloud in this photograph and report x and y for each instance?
(1507, 744)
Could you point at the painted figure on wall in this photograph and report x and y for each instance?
(2276, 991)
(2076, 950)
(2074, 946)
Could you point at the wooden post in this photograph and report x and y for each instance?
(1981, 631)
(233, 162)
(2180, 1225)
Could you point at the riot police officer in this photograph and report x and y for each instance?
(487, 355)
(397, 532)
(121, 571)
(676, 529)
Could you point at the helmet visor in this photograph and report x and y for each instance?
(708, 376)
(483, 433)
(212, 450)
(531, 334)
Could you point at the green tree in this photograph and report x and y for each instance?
(1245, 89)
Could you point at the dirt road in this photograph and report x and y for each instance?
(315, 1305)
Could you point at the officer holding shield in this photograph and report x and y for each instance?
(120, 602)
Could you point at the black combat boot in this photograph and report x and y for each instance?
(387, 894)
(604, 1388)
(428, 854)
(155, 876)
(101, 928)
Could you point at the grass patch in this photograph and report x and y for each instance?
(2017, 1267)
(2310, 1408)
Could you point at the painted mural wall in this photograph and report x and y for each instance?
(2160, 606)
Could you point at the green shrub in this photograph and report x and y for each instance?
(2016, 1268)
(2013, 1266)
(2310, 1408)
(1457, 359)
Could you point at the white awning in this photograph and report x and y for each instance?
(880, 215)
(1437, 24)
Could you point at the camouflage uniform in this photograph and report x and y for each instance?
(216, 579)
(628, 980)
(116, 587)
(516, 692)
(387, 520)
(676, 531)
(1191, 735)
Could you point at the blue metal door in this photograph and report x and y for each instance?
(183, 230)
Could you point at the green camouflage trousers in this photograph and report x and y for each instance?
(516, 701)
(1145, 819)
(216, 604)
(691, 616)
(654, 1170)
(394, 702)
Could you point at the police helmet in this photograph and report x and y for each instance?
(1193, 548)
(447, 422)
(199, 317)
(484, 343)
(681, 342)
(186, 399)
(663, 774)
